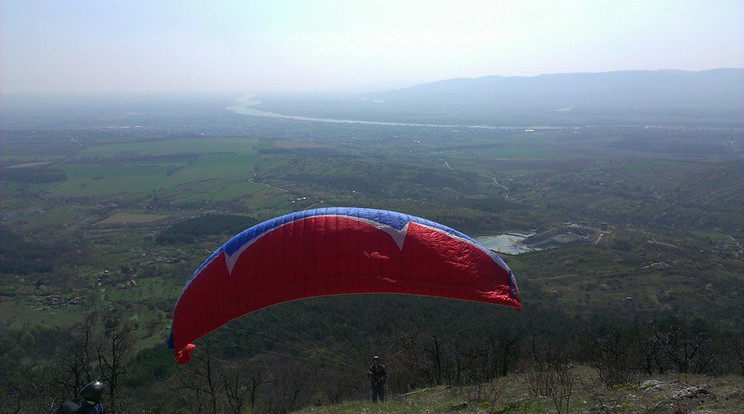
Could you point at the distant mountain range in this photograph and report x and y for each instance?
(663, 97)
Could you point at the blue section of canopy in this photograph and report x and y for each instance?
(386, 217)
(389, 218)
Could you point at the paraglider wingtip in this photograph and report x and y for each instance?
(184, 355)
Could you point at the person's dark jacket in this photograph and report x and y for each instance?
(377, 374)
(90, 407)
(86, 407)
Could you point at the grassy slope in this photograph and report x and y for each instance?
(660, 394)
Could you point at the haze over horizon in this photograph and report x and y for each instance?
(83, 46)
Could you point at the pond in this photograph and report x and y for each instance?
(507, 243)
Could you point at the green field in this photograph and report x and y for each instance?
(477, 184)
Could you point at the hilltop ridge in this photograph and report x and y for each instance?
(661, 97)
(578, 390)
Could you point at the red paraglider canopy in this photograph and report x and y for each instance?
(335, 251)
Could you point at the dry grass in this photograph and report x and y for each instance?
(675, 394)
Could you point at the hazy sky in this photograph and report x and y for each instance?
(139, 46)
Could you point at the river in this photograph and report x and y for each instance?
(245, 107)
(507, 243)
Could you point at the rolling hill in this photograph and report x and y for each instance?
(663, 97)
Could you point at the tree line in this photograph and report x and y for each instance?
(256, 364)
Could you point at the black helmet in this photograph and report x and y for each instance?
(93, 391)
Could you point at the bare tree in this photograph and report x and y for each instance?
(239, 386)
(476, 363)
(504, 350)
(294, 382)
(436, 354)
(686, 346)
(76, 360)
(114, 353)
(235, 391)
(202, 381)
(614, 356)
(560, 386)
(551, 374)
(410, 360)
(737, 343)
(648, 347)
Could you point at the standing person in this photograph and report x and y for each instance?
(377, 374)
